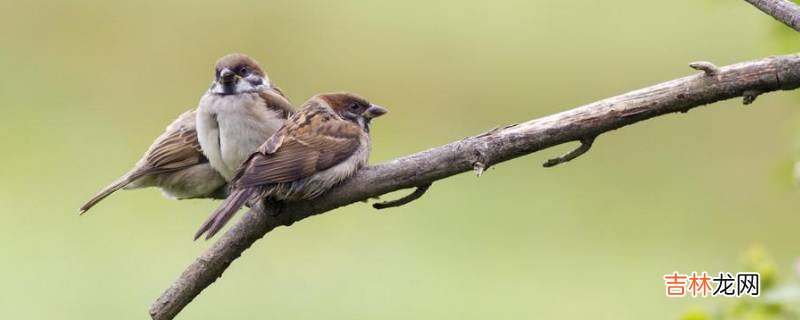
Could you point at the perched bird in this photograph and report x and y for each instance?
(173, 163)
(239, 112)
(176, 162)
(318, 147)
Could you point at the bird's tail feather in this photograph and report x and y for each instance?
(224, 212)
(107, 191)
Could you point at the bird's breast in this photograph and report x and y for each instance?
(243, 123)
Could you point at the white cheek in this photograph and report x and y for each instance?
(264, 83)
(362, 122)
(214, 88)
(244, 86)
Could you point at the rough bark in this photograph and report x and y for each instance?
(784, 11)
(584, 124)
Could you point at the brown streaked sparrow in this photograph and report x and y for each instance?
(176, 162)
(173, 163)
(239, 112)
(318, 147)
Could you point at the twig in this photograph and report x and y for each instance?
(479, 168)
(749, 96)
(418, 193)
(586, 144)
(784, 11)
(709, 68)
(766, 75)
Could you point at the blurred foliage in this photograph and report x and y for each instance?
(781, 295)
(779, 299)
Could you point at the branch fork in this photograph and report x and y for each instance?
(418, 193)
(586, 144)
(708, 68)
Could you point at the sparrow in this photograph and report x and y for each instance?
(176, 162)
(321, 145)
(173, 163)
(240, 111)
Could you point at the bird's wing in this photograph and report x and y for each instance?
(176, 148)
(276, 101)
(308, 144)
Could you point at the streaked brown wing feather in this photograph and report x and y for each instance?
(276, 101)
(174, 149)
(302, 152)
(178, 147)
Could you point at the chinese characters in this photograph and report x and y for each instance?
(703, 285)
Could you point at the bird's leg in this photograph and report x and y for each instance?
(276, 206)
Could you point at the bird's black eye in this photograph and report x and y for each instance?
(244, 71)
(354, 107)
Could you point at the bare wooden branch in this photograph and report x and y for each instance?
(784, 11)
(481, 151)
(418, 193)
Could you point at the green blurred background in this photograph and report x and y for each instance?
(87, 85)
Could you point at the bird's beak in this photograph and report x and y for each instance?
(226, 76)
(375, 111)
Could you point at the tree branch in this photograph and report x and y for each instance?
(784, 11)
(495, 146)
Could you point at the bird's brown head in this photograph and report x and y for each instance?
(352, 107)
(237, 73)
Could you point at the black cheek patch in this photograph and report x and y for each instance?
(229, 88)
(256, 82)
